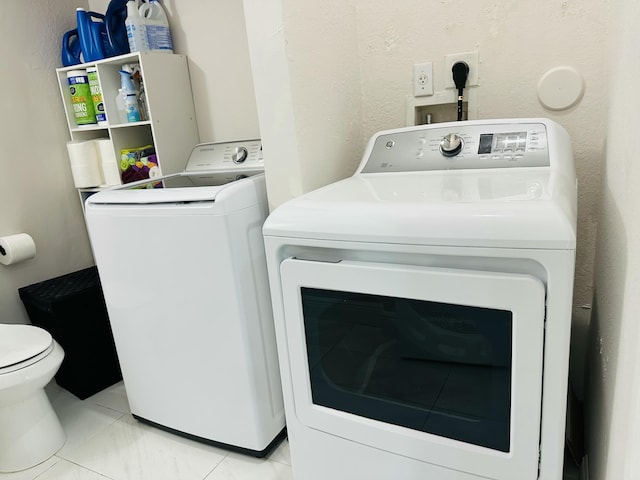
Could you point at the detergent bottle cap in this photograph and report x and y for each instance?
(125, 82)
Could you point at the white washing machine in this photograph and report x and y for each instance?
(182, 265)
(422, 306)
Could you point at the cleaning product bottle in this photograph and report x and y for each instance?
(122, 111)
(71, 51)
(157, 27)
(129, 96)
(83, 111)
(142, 100)
(96, 95)
(91, 34)
(114, 22)
(135, 25)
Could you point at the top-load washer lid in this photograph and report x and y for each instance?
(19, 343)
(407, 191)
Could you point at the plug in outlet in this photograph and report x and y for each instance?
(423, 79)
(470, 58)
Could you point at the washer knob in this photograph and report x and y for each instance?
(451, 145)
(239, 155)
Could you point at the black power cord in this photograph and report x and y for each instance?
(460, 71)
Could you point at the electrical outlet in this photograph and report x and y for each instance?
(423, 79)
(470, 58)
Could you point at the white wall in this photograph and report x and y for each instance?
(37, 195)
(613, 393)
(308, 94)
(213, 36)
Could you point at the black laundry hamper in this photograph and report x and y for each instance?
(72, 309)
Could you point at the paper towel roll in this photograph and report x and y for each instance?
(108, 162)
(85, 165)
(16, 248)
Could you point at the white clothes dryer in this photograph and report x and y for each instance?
(423, 306)
(182, 265)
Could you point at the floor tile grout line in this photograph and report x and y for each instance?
(110, 408)
(118, 415)
(46, 469)
(215, 466)
(61, 455)
(84, 467)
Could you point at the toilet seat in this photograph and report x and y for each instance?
(22, 345)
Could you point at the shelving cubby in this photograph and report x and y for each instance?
(171, 127)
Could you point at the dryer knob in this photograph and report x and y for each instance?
(239, 155)
(451, 145)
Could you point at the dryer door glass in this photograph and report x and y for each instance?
(441, 365)
(435, 367)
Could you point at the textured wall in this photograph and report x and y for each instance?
(213, 36)
(613, 393)
(324, 67)
(36, 189)
(305, 64)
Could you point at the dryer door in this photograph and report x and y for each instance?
(440, 365)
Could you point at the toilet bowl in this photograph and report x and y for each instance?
(30, 431)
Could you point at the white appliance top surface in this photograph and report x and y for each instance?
(21, 342)
(211, 169)
(532, 206)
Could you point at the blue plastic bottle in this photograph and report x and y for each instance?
(92, 34)
(70, 53)
(114, 20)
(128, 93)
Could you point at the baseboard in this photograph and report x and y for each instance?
(584, 468)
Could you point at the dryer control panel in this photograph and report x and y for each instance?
(456, 146)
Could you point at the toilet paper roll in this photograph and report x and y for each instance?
(85, 164)
(108, 162)
(16, 248)
(111, 173)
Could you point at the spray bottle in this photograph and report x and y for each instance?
(130, 99)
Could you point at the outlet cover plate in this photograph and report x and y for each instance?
(423, 79)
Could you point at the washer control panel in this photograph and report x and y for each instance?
(457, 146)
(244, 154)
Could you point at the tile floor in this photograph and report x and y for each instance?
(104, 442)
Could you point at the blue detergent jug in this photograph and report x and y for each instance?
(114, 18)
(97, 36)
(92, 34)
(71, 48)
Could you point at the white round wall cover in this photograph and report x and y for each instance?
(560, 88)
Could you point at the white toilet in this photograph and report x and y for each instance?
(30, 431)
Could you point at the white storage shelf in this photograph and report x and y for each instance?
(171, 128)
